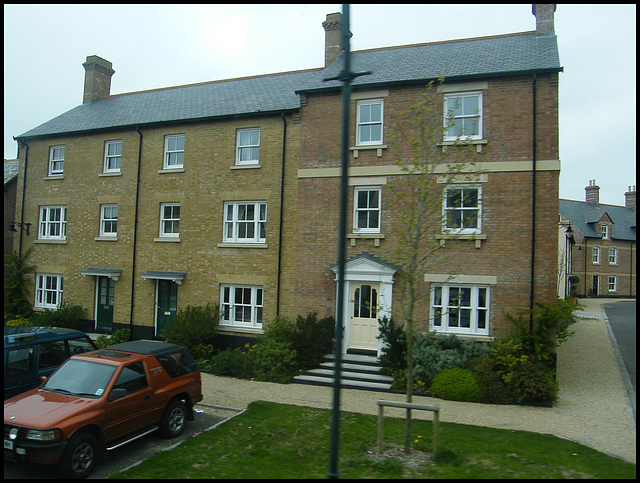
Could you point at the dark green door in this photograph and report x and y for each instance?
(167, 303)
(104, 310)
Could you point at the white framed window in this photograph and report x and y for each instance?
(56, 160)
(367, 208)
(613, 283)
(462, 209)
(613, 256)
(170, 220)
(174, 151)
(595, 256)
(48, 290)
(53, 223)
(241, 305)
(245, 222)
(248, 146)
(108, 220)
(605, 231)
(463, 116)
(369, 122)
(462, 309)
(112, 156)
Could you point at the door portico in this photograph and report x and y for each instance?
(368, 292)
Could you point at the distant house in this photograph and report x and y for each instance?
(9, 201)
(602, 253)
(227, 192)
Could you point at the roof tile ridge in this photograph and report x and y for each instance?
(215, 82)
(439, 42)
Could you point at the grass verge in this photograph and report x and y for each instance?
(272, 440)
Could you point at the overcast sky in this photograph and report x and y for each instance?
(167, 45)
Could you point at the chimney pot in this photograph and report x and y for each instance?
(97, 78)
(544, 17)
(332, 37)
(630, 198)
(593, 193)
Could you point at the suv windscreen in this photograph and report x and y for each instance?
(80, 378)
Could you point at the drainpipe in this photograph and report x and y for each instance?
(284, 144)
(24, 188)
(585, 266)
(135, 232)
(533, 209)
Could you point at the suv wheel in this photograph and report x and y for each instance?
(174, 419)
(80, 456)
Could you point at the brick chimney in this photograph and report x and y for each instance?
(97, 78)
(593, 193)
(544, 17)
(332, 37)
(630, 198)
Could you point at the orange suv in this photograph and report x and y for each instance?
(100, 400)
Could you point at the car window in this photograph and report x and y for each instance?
(52, 354)
(78, 346)
(132, 378)
(20, 361)
(177, 363)
(79, 377)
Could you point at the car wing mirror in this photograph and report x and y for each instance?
(116, 394)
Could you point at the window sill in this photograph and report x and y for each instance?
(379, 147)
(107, 175)
(170, 170)
(106, 238)
(477, 238)
(467, 335)
(51, 242)
(233, 330)
(54, 176)
(167, 239)
(376, 237)
(242, 245)
(246, 166)
(478, 143)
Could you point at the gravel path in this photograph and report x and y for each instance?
(592, 409)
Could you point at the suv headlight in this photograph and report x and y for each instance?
(44, 435)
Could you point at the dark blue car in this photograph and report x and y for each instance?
(32, 352)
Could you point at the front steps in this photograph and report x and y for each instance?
(357, 372)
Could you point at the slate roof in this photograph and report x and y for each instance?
(10, 171)
(460, 59)
(513, 54)
(583, 217)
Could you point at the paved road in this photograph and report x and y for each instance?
(622, 318)
(129, 454)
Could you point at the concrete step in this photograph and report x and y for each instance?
(357, 372)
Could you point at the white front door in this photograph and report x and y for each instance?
(364, 307)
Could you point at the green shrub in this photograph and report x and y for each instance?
(532, 381)
(118, 337)
(275, 361)
(393, 357)
(193, 326)
(19, 321)
(16, 286)
(312, 339)
(457, 384)
(233, 363)
(434, 352)
(69, 316)
(494, 389)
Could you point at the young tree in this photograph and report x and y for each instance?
(427, 165)
(15, 285)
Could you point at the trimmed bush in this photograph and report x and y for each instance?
(69, 316)
(233, 363)
(457, 384)
(119, 336)
(275, 361)
(193, 326)
(494, 390)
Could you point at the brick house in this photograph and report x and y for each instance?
(225, 192)
(600, 246)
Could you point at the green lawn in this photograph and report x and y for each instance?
(280, 441)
